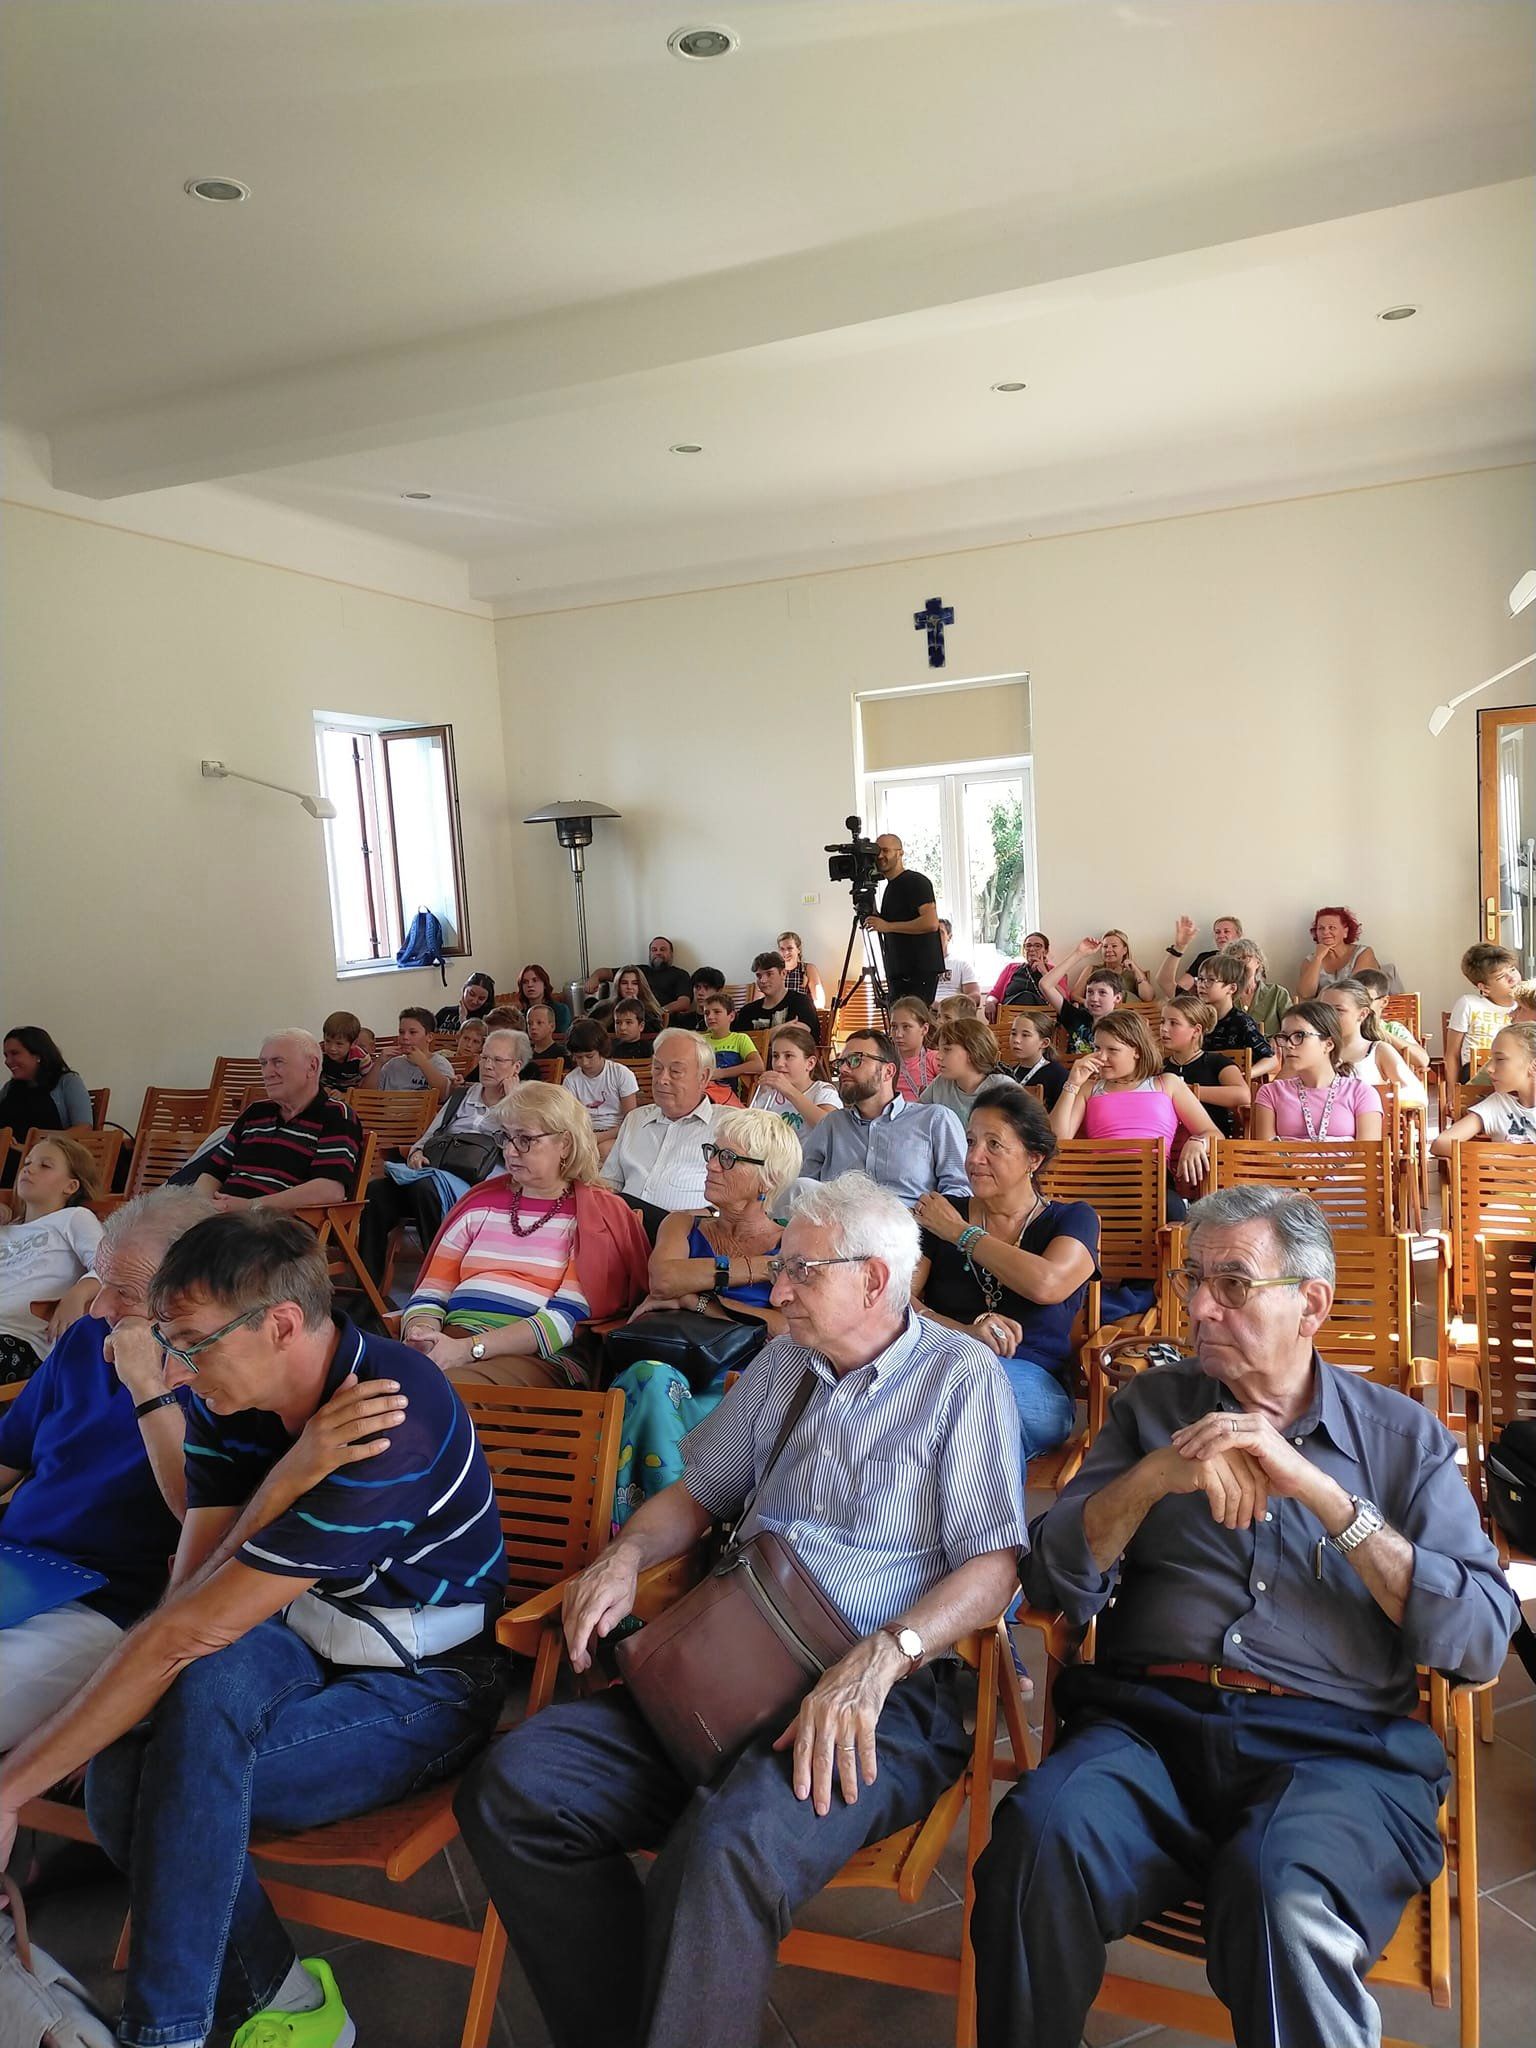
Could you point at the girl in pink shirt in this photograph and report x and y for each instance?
(1316, 1096)
(1120, 1091)
(911, 1021)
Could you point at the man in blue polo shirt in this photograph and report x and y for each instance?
(325, 1648)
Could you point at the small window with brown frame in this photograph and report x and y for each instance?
(395, 845)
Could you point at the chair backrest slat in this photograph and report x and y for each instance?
(103, 1146)
(1493, 1194)
(554, 1459)
(1351, 1181)
(234, 1076)
(1370, 1325)
(1506, 1298)
(395, 1116)
(159, 1153)
(1124, 1182)
(173, 1109)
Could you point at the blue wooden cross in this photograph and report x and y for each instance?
(932, 620)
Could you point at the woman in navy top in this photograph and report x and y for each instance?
(1011, 1267)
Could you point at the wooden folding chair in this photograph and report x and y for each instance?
(1493, 1194)
(1370, 1325)
(1350, 1182)
(1405, 1008)
(1002, 1024)
(157, 1154)
(554, 1460)
(230, 1089)
(335, 1224)
(175, 1109)
(1400, 1126)
(1124, 1180)
(902, 1863)
(100, 1097)
(641, 1069)
(1424, 1949)
(395, 1117)
(1505, 1274)
(103, 1146)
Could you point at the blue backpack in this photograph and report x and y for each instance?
(423, 945)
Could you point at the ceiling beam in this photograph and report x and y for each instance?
(551, 363)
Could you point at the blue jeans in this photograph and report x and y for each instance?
(261, 1734)
(1047, 1412)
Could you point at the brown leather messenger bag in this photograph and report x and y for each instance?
(735, 1656)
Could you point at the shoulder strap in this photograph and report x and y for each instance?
(797, 1407)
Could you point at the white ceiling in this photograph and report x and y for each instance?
(507, 252)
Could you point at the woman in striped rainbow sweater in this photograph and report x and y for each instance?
(528, 1256)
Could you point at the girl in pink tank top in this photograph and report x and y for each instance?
(1120, 1091)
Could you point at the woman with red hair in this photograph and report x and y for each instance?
(535, 986)
(1339, 955)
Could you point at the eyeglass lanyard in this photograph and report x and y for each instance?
(1315, 1133)
(990, 1286)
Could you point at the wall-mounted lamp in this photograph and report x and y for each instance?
(573, 829)
(317, 806)
(1524, 593)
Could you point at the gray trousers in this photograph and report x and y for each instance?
(683, 1960)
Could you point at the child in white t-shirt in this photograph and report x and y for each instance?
(48, 1238)
(791, 1089)
(1495, 974)
(606, 1090)
(1507, 1114)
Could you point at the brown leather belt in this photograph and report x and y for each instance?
(1221, 1678)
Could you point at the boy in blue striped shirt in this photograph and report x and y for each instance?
(326, 1646)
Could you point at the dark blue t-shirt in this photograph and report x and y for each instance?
(953, 1290)
(416, 1526)
(90, 1494)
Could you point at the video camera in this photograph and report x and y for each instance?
(855, 862)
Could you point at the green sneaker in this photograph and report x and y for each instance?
(326, 2026)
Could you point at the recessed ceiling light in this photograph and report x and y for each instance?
(421, 496)
(698, 44)
(685, 448)
(219, 191)
(1010, 387)
(1398, 313)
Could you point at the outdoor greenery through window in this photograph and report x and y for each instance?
(969, 827)
(394, 846)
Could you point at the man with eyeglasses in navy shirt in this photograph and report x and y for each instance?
(326, 1646)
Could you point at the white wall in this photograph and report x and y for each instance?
(1229, 713)
(151, 919)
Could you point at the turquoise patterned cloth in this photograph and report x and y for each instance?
(659, 1410)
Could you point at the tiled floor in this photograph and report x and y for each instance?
(400, 2001)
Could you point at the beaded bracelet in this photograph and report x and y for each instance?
(969, 1237)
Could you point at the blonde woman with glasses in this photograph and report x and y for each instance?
(526, 1258)
(716, 1262)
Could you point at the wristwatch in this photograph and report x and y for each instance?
(909, 1642)
(722, 1274)
(1368, 1519)
(477, 1350)
(155, 1401)
(1174, 952)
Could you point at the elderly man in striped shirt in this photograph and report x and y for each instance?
(899, 1489)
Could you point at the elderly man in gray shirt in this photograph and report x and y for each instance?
(1272, 1546)
(908, 1147)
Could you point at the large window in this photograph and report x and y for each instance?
(969, 827)
(394, 846)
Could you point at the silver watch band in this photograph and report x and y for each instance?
(1368, 1519)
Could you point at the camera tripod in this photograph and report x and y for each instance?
(873, 971)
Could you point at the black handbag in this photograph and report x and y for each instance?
(1511, 1478)
(701, 1347)
(467, 1155)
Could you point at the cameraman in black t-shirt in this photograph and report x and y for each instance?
(908, 925)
